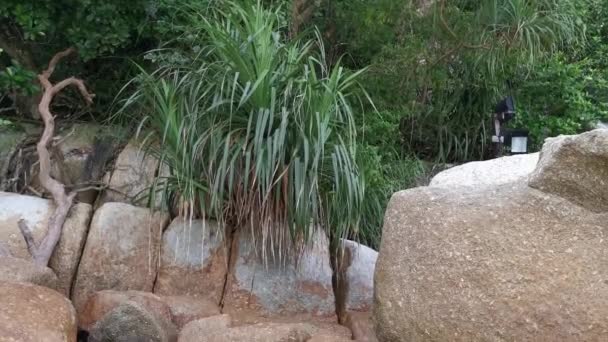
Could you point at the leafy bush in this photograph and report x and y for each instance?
(258, 131)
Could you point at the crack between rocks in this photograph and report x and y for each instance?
(80, 253)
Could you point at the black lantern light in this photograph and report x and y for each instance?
(515, 139)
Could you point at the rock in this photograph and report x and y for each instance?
(196, 330)
(602, 125)
(328, 338)
(508, 263)
(132, 322)
(36, 212)
(280, 287)
(264, 332)
(193, 260)
(488, 173)
(185, 309)
(83, 152)
(575, 168)
(10, 140)
(121, 252)
(132, 177)
(102, 302)
(31, 313)
(360, 276)
(360, 325)
(24, 271)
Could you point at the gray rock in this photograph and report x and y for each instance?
(36, 212)
(131, 322)
(30, 313)
(121, 252)
(507, 263)
(281, 286)
(193, 260)
(360, 276)
(24, 271)
(575, 168)
(132, 177)
(488, 173)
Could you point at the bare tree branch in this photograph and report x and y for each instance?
(32, 246)
(42, 253)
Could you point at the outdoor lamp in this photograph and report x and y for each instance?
(517, 139)
(504, 112)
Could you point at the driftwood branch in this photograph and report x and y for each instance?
(41, 253)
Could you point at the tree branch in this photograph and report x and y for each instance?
(42, 253)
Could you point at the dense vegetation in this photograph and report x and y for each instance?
(260, 108)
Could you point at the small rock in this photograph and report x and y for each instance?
(121, 252)
(25, 271)
(131, 177)
(360, 276)
(31, 313)
(35, 212)
(132, 322)
(193, 260)
(328, 338)
(487, 173)
(185, 309)
(195, 330)
(575, 168)
(264, 332)
(360, 325)
(102, 302)
(277, 287)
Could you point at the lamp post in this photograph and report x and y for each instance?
(515, 139)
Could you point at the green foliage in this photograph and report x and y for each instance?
(94, 27)
(17, 79)
(258, 131)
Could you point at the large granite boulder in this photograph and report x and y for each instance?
(24, 271)
(102, 302)
(121, 252)
(36, 212)
(131, 322)
(281, 286)
(186, 309)
(197, 330)
(193, 260)
(263, 332)
(359, 276)
(132, 177)
(31, 313)
(488, 173)
(505, 263)
(576, 168)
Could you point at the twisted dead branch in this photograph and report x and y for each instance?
(41, 253)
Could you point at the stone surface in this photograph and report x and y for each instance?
(132, 322)
(185, 309)
(488, 173)
(264, 332)
(361, 327)
(36, 212)
(10, 139)
(196, 331)
(30, 313)
(575, 168)
(360, 276)
(102, 302)
(282, 286)
(132, 176)
(82, 154)
(193, 260)
(25, 271)
(121, 252)
(508, 263)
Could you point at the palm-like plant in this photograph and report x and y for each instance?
(258, 132)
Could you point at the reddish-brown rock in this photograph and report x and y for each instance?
(196, 331)
(264, 332)
(360, 325)
(25, 271)
(121, 252)
(102, 302)
(185, 309)
(31, 313)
